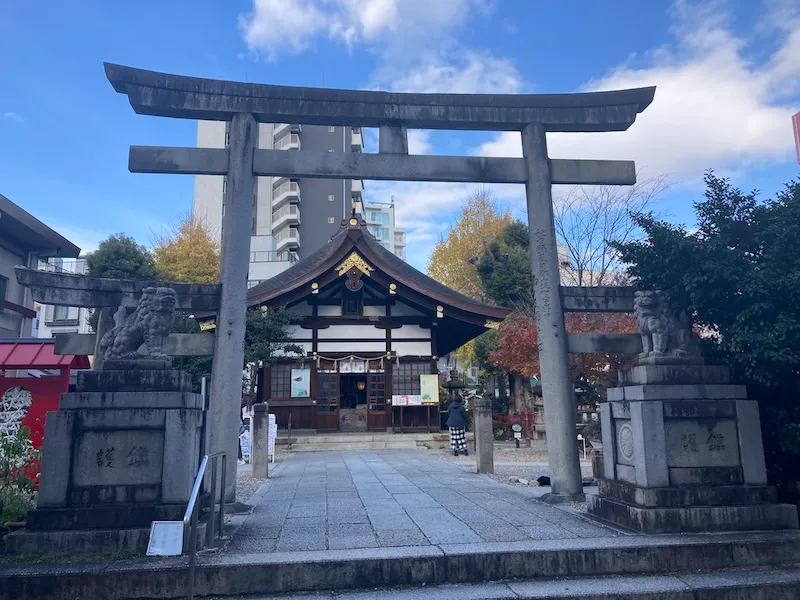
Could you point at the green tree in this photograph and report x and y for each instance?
(504, 267)
(738, 275)
(197, 366)
(266, 340)
(120, 257)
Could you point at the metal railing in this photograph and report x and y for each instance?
(288, 141)
(191, 515)
(265, 256)
(287, 187)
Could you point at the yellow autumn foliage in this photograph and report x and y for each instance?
(188, 252)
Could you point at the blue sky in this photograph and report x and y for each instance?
(728, 77)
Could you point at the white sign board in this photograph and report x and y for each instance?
(166, 538)
(517, 434)
(244, 439)
(272, 436)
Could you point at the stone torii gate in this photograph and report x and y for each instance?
(245, 105)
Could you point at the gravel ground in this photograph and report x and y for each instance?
(246, 484)
(523, 463)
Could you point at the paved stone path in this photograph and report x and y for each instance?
(366, 499)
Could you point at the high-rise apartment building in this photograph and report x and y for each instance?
(380, 220)
(292, 218)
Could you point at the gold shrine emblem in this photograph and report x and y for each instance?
(354, 261)
(492, 324)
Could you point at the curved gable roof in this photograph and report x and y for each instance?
(356, 237)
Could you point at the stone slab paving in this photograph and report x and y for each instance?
(370, 499)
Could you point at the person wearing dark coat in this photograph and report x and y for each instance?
(457, 423)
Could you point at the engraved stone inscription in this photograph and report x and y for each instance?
(118, 458)
(105, 457)
(716, 442)
(139, 455)
(701, 443)
(624, 442)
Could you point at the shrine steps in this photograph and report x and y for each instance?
(751, 566)
(739, 584)
(366, 441)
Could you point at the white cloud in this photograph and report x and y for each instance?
(289, 26)
(12, 116)
(466, 72)
(714, 107)
(419, 142)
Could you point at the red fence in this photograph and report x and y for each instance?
(526, 418)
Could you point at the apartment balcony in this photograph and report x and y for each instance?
(357, 189)
(267, 264)
(357, 141)
(288, 142)
(287, 192)
(283, 128)
(286, 215)
(287, 239)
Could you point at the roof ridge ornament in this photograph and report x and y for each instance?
(354, 261)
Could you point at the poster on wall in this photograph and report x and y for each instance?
(399, 400)
(429, 388)
(353, 366)
(301, 383)
(244, 440)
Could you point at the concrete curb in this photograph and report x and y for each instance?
(386, 567)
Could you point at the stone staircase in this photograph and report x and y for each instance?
(320, 442)
(751, 566)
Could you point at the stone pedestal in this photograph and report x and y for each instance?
(682, 452)
(259, 442)
(120, 452)
(484, 438)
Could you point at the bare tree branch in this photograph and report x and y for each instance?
(587, 218)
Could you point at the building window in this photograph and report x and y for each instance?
(352, 304)
(376, 391)
(331, 129)
(380, 233)
(280, 383)
(3, 290)
(406, 377)
(379, 217)
(331, 220)
(60, 313)
(331, 197)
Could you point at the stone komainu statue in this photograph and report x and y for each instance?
(663, 333)
(149, 324)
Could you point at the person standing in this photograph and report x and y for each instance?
(457, 423)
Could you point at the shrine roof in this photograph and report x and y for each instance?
(37, 353)
(353, 236)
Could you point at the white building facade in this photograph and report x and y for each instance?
(292, 218)
(380, 218)
(61, 319)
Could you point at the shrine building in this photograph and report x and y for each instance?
(372, 330)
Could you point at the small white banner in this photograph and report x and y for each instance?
(272, 436)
